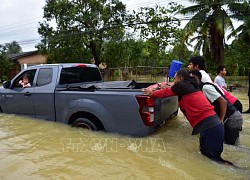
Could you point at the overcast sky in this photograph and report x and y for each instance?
(19, 19)
(19, 22)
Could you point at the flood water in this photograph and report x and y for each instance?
(36, 149)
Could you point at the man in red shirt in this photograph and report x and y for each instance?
(198, 111)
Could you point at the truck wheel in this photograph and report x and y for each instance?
(85, 123)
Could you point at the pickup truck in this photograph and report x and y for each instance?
(76, 94)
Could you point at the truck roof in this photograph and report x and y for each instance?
(66, 65)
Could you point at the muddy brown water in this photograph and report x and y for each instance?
(37, 149)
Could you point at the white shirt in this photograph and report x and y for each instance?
(220, 81)
(210, 92)
(205, 77)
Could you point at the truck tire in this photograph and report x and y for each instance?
(84, 123)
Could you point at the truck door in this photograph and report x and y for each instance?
(44, 93)
(19, 100)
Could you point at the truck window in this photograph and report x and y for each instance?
(29, 73)
(44, 76)
(79, 75)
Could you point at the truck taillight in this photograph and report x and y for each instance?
(146, 109)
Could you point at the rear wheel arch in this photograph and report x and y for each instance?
(86, 119)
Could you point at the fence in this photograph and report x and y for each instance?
(156, 74)
(138, 73)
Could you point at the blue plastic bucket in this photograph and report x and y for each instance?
(174, 67)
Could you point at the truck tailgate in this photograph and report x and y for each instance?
(165, 108)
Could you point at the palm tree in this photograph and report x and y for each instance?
(214, 16)
(203, 42)
(241, 13)
(13, 48)
(243, 31)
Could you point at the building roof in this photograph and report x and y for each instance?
(22, 54)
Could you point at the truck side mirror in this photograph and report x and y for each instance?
(6, 84)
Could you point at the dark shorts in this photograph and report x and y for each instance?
(232, 126)
(211, 142)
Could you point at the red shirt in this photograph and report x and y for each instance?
(194, 106)
(229, 97)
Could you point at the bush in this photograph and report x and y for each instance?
(4, 78)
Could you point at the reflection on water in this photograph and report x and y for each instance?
(35, 149)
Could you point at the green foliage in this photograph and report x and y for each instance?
(238, 53)
(13, 48)
(81, 28)
(4, 78)
(5, 64)
(237, 58)
(125, 53)
(158, 28)
(180, 52)
(210, 19)
(115, 75)
(94, 29)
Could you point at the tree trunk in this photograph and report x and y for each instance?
(217, 44)
(95, 52)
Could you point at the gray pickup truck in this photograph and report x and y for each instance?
(75, 94)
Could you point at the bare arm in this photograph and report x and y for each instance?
(161, 93)
(223, 107)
